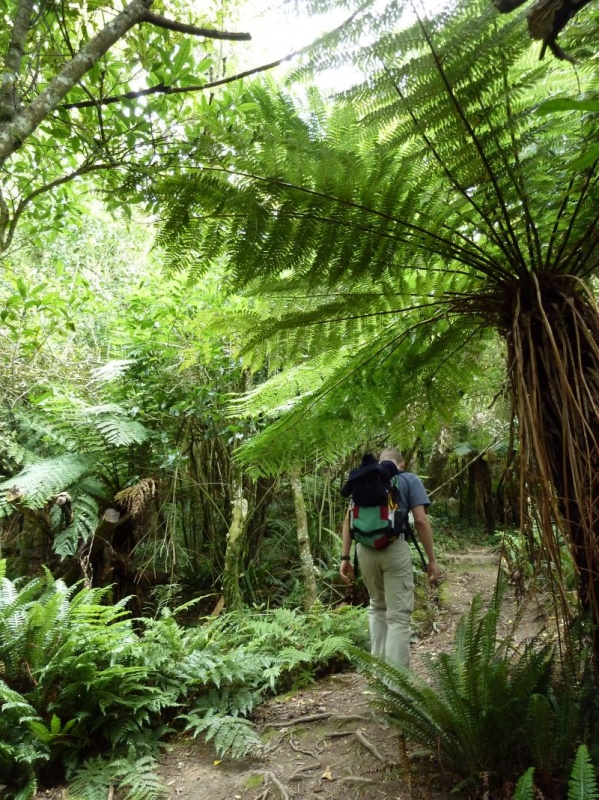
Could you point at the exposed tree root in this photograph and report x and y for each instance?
(368, 745)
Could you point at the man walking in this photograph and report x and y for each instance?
(388, 573)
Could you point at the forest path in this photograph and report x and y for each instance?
(346, 751)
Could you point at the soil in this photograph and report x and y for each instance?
(328, 741)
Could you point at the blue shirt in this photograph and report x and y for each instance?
(411, 490)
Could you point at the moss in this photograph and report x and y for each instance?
(253, 781)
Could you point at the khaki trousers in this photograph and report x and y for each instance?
(389, 578)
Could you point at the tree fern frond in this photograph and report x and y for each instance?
(46, 478)
(365, 391)
(120, 431)
(111, 371)
(85, 520)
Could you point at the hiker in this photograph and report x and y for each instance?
(387, 572)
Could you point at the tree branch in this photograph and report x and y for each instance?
(181, 27)
(162, 89)
(4, 221)
(27, 120)
(7, 231)
(12, 63)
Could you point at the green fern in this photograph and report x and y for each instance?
(234, 736)
(582, 784)
(76, 677)
(583, 780)
(525, 788)
(85, 520)
(41, 481)
(384, 232)
(136, 778)
(473, 716)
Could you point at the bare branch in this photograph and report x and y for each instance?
(181, 27)
(162, 89)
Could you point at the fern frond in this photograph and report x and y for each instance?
(234, 736)
(136, 778)
(525, 787)
(85, 520)
(111, 371)
(433, 182)
(583, 780)
(135, 498)
(46, 478)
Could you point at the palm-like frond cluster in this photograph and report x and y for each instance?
(426, 192)
(82, 450)
(437, 184)
(77, 679)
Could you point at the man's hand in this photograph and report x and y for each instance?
(346, 571)
(435, 575)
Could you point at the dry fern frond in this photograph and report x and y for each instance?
(134, 499)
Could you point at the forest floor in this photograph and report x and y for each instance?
(327, 740)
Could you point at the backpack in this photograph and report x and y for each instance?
(376, 516)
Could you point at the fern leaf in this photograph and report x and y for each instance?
(234, 736)
(46, 478)
(525, 787)
(583, 780)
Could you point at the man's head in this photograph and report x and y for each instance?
(392, 454)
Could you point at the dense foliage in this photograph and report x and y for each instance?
(87, 692)
(433, 205)
(332, 274)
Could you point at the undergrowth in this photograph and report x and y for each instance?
(494, 707)
(88, 695)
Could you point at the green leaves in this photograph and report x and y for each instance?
(473, 715)
(559, 104)
(583, 780)
(385, 227)
(78, 677)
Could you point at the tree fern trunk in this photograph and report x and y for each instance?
(553, 350)
(303, 541)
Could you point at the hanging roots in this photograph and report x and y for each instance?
(551, 326)
(553, 350)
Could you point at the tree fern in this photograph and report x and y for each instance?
(45, 479)
(436, 174)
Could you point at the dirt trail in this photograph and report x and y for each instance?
(327, 741)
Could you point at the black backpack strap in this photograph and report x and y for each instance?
(410, 535)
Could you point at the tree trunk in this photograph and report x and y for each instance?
(303, 541)
(235, 536)
(438, 460)
(553, 362)
(483, 493)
